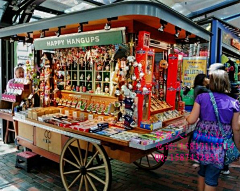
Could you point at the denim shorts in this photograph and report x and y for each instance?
(210, 173)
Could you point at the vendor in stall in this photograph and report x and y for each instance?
(19, 73)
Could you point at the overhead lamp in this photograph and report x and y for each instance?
(27, 37)
(187, 36)
(59, 32)
(80, 27)
(11, 40)
(177, 29)
(108, 24)
(162, 27)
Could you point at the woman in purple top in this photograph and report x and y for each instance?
(211, 157)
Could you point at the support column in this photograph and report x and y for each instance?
(214, 42)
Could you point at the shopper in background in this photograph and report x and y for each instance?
(201, 83)
(203, 109)
(19, 73)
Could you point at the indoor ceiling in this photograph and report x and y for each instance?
(228, 10)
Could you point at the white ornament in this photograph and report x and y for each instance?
(141, 74)
(134, 77)
(126, 68)
(135, 64)
(130, 86)
(139, 85)
(130, 58)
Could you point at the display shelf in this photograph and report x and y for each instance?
(172, 119)
(160, 110)
(91, 94)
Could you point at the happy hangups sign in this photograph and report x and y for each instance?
(80, 40)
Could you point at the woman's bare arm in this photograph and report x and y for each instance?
(194, 115)
(236, 129)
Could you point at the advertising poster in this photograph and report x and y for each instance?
(191, 67)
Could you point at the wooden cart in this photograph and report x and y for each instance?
(85, 157)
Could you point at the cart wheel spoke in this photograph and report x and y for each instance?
(80, 153)
(87, 176)
(91, 183)
(154, 157)
(95, 177)
(89, 162)
(95, 168)
(86, 154)
(140, 160)
(72, 172)
(86, 183)
(81, 183)
(74, 180)
(149, 162)
(71, 163)
(75, 156)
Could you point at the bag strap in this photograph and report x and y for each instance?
(216, 112)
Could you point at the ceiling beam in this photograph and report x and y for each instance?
(232, 17)
(213, 8)
(93, 2)
(48, 10)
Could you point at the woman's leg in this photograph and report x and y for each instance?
(201, 183)
(209, 188)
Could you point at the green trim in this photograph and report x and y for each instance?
(79, 40)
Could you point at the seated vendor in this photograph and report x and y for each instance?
(19, 73)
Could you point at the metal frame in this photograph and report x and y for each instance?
(46, 127)
(158, 10)
(212, 8)
(218, 27)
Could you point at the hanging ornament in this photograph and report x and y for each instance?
(89, 77)
(106, 89)
(135, 64)
(130, 86)
(107, 68)
(117, 92)
(145, 90)
(138, 85)
(99, 77)
(141, 74)
(134, 77)
(139, 66)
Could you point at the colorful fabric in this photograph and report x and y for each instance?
(208, 153)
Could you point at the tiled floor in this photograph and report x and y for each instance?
(173, 175)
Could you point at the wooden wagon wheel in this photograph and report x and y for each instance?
(153, 160)
(85, 166)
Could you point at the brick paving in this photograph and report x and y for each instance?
(173, 175)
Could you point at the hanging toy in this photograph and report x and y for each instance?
(88, 77)
(99, 77)
(145, 90)
(106, 89)
(141, 75)
(138, 85)
(98, 90)
(134, 77)
(107, 68)
(130, 86)
(117, 92)
(106, 79)
(135, 64)
(82, 77)
(163, 64)
(139, 67)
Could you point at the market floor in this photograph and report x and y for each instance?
(173, 175)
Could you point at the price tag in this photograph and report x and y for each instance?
(67, 112)
(90, 117)
(75, 114)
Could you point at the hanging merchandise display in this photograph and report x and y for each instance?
(107, 93)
